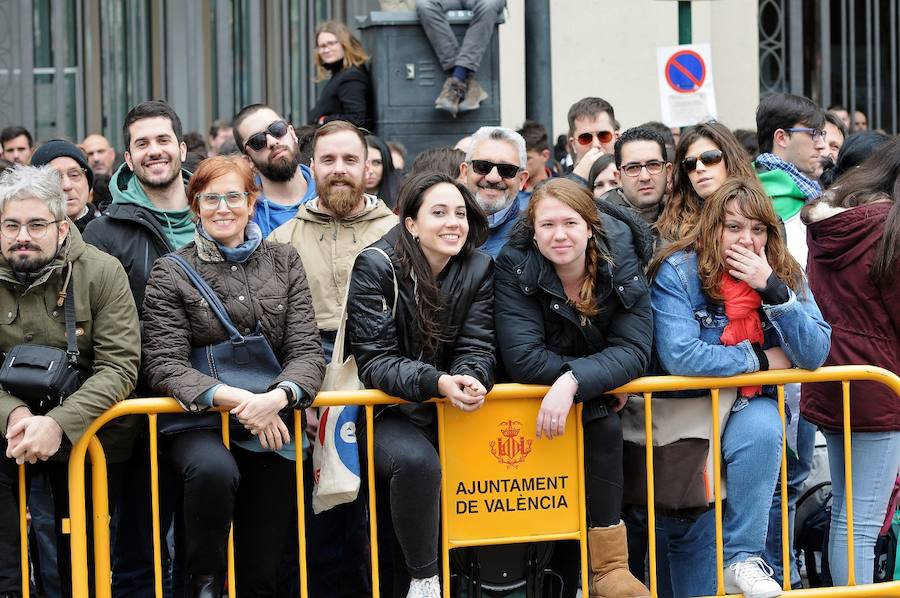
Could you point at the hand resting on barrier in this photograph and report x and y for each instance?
(257, 412)
(30, 437)
(462, 391)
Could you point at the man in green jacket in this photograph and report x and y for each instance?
(43, 259)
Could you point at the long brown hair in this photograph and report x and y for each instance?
(354, 54)
(706, 237)
(682, 211)
(579, 199)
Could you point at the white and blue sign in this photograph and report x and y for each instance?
(686, 92)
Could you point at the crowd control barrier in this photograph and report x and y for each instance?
(493, 445)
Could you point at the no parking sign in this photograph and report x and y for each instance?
(686, 92)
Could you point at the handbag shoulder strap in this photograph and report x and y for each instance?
(69, 310)
(208, 294)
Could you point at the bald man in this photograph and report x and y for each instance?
(100, 155)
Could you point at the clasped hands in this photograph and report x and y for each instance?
(258, 413)
(463, 392)
(31, 437)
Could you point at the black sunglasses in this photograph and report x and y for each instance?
(708, 158)
(484, 167)
(277, 129)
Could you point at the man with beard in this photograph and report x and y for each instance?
(495, 172)
(328, 232)
(271, 145)
(148, 218)
(44, 260)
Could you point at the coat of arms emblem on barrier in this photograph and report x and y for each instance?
(510, 448)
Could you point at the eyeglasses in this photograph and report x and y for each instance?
(708, 158)
(37, 229)
(634, 168)
(326, 45)
(277, 129)
(75, 175)
(588, 137)
(484, 167)
(232, 199)
(816, 134)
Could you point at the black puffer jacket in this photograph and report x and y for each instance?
(388, 349)
(540, 335)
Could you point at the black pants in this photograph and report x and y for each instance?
(408, 472)
(257, 490)
(58, 473)
(603, 476)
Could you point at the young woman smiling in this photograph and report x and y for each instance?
(263, 287)
(573, 312)
(707, 155)
(420, 323)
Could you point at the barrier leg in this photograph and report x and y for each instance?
(445, 539)
(785, 532)
(301, 506)
(232, 590)
(373, 524)
(154, 506)
(582, 506)
(100, 490)
(23, 533)
(717, 486)
(651, 492)
(848, 484)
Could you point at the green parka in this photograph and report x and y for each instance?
(106, 328)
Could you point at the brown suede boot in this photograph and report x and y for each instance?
(608, 557)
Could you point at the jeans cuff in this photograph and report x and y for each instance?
(740, 557)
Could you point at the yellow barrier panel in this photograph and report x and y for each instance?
(369, 399)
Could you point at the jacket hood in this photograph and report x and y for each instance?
(521, 235)
(375, 208)
(840, 237)
(177, 225)
(125, 187)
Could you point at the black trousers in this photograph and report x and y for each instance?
(58, 473)
(256, 490)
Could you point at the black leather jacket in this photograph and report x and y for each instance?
(388, 349)
(540, 335)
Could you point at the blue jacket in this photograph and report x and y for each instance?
(502, 222)
(688, 326)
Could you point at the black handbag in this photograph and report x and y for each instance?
(44, 376)
(242, 361)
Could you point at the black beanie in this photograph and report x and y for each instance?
(57, 148)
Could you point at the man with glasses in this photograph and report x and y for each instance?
(791, 134)
(495, 172)
(271, 145)
(44, 260)
(643, 173)
(592, 133)
(77, 178)
(148, 218)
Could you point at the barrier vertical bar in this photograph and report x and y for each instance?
(848, 484)
(154, 505)
(582, 507)
(301, 506)
(445, 538)
(785, 532)
(232, 590)
(651, 492)
(373, 524)
(717, 488)
(23, 533)
(102, 569)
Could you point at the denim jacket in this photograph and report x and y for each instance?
(688, 326)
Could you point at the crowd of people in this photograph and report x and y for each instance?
(655, 252)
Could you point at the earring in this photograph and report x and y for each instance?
(416, 239)
(534, 240)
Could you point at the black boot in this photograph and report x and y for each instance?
(207, 586)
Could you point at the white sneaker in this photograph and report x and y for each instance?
(753, 578)
(430, 587)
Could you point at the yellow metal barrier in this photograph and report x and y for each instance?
(646, 386)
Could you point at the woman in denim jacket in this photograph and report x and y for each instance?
(729, 299)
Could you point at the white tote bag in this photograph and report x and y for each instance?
(336, 467)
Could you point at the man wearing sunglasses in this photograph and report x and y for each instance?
(495, 172)
(271, 145)
(643, 174)
(592, 132)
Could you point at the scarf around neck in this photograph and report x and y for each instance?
(211, 250)
(742, 309)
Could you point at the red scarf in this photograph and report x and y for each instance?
(742, 309)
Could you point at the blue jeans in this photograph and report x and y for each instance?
(686, 555)
(751, 451)
(876, 460)
(799, 464)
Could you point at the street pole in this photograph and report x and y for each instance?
(684, 22)
(538, 73)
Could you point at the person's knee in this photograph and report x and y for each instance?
(215, 473)
(603, 433)
(429, 8)
(488, 8)
(424, 466)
